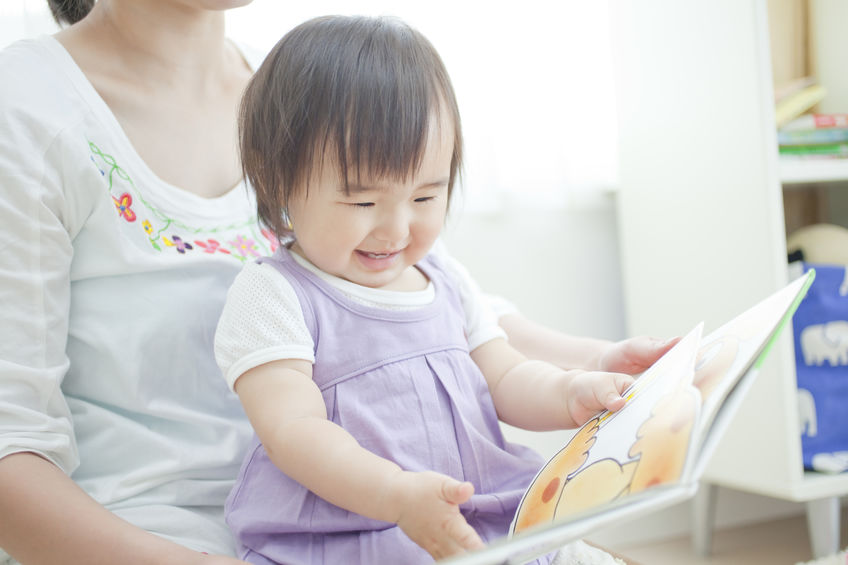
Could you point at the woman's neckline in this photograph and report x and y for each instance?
(92, 97)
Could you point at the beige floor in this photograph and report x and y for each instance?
(781, 542)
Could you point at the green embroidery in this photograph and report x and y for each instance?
(239, 245)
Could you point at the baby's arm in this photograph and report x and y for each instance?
(537, 395)
(288, 413)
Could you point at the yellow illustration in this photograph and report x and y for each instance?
(539, 503)
(662, 442)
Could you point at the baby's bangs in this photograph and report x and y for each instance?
(388, 97)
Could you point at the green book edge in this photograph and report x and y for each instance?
(811, 275)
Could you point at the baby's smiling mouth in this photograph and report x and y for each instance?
(372, 255)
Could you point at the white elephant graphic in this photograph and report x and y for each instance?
(825, 342)
(807, 413)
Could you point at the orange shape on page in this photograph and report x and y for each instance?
(539, 502)
(663, 439)
(600, 482)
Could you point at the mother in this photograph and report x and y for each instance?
(124, 220)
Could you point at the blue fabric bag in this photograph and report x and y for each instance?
(821, 362)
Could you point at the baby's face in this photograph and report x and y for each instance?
(375, 233)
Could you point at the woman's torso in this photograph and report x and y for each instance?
(148, 265)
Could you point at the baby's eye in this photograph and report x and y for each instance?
(425, 199)
(363, 204)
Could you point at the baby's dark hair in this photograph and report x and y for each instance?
(365, 89)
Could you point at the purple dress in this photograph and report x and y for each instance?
(404, 385)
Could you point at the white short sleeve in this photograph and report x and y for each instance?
(480, 319)
(262, 321)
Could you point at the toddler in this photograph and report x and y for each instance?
(372, 376)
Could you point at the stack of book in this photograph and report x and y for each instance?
(815, 136)
(803, 134)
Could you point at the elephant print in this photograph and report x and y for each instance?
(825, 342)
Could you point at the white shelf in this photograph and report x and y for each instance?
(812, 486)
(809, 171)
(702, 223)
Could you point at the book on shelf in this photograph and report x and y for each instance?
(816, 121)
(783, 91)
(821, 136)
(652, 452)
(822, 149)
(796, 104)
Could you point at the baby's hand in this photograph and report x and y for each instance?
(634, 355)
(590, 392)
(429, 512)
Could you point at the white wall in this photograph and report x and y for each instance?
(558, 266)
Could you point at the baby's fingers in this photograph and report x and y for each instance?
(456, 492)
(610, 392)
(459, 538)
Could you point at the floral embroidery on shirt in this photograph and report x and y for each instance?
(210, 246)
(242, 239)
(123, 203)
(182, 246)
(245, 246)
(272, 239)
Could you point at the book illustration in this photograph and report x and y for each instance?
(643, 444)
(660, 436)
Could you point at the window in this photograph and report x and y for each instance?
(533, 80)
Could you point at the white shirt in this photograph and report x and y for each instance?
(111, 284)
(263, 319)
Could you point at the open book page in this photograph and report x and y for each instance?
(735, 347)
(650, 454)
(618, 454)
(730, 357)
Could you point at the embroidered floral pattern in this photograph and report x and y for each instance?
(210, 246)
(177, 242)
(242, 239)
(245, 246)
(123, 203)
(272, 239)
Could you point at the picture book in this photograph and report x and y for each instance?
(650, 453)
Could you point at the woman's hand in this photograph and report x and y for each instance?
(633, 356)
(429, 512)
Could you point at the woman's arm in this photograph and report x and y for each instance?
(45, 518)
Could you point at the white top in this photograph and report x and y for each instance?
(111, 285)
(263, 319)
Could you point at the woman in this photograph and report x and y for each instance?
(124, 221)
